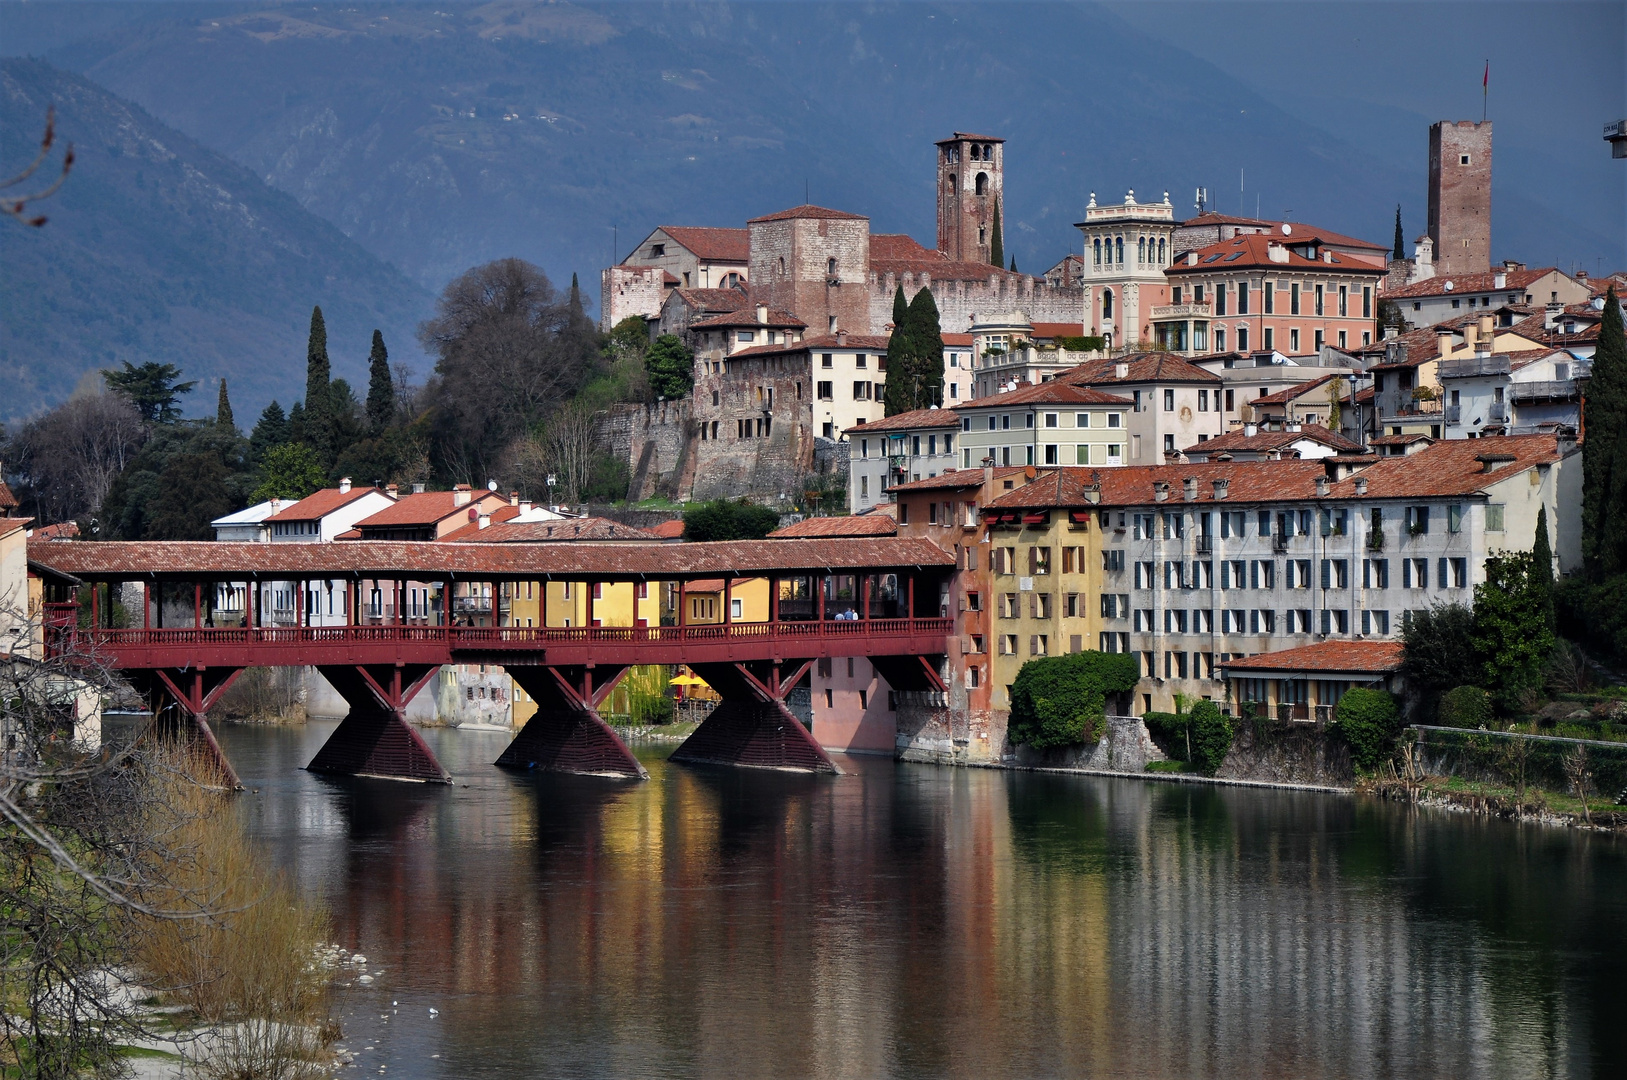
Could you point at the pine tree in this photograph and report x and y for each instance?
(318, 372)
(270, 430)
(297, 429)
(1400, 251)
(380, 390)
(1604, 462)
(1542, 569)
(997, 245)
(223, 409)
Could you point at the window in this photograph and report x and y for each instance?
(1203, 400)
(1039, 560)
(1113, 560)
(1293, 298)
(1270, 291)
(1318, 301)
(1293, 340)
(1270, 338)
(825, 392)
(1418, 520)
(1454, 515)
(1494, 517)
(1169, 401)
(1008, 644)
(1220, 299)
(1242, 304)
(1375, 573)
(1460, 573)
(1415, 573)
(861, 391)
(1367, 313)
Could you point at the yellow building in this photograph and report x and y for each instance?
(748, 600)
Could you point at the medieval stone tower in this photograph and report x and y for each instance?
(971, 176)
(1460, 196)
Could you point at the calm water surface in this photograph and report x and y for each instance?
(912, 921)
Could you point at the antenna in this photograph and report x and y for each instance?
(806, 200)
(1202, 198)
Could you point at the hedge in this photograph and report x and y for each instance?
(1061, 700)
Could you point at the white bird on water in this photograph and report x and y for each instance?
(434, 1011)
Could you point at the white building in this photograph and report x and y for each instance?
(1512, 394)
(1127, 248)
(317, 518)
(895, 450)
(248, 526)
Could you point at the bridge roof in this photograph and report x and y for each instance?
(432, 560)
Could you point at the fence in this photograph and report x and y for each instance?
(1503, 757)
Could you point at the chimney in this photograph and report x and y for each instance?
(1361, 487)
(1321, 487)
(485, 520)
(1443, 343)
(514, 498)
(460, 495)
(1295, 426)
(389, 489)
(1121, 370)
(1499, 280)
(1160, 490)
(762, 313)
(841, 337)
(1190, 488)
(525, 506)
(1550, 315)
(1484, 335)
(1222, 488)
(1250, 430)
(344, 485)
(417, 487)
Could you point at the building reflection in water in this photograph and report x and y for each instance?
(913, 921)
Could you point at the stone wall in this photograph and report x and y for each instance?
(791, 271)
(656, 440)
(960, 301)
(758, 441)
(1298, 754)
(630, 290)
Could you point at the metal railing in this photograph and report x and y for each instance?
(1205, 545)
(1545, 390)
(1454, 414)
(1469, 366)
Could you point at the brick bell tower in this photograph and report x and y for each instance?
(971, 177)
(1460, 196)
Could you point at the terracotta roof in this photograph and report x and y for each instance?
(798, 213)
(1265, 441)
(713, 299)
(668, 530)
(951, 479)
(9, 525)
(1058, 329)
(62, 530)
(503, 512)
(1143, 367)
(852, 525)
(904, 421)
(866, 342)
(1132, 485)
(1342, 657)
(1464, 284)
(8, 501)
(1283, 397)
(1398, 440)
(962, 340)
(713, 244)
(1423, 344)
(899, 246)
(319, 505)
(1301, 230)
(747, 317)
(1054, 392)
(547, 532)
(1449, 467)
(422, 508)
(579, 561)
(1251, 251)
(959, 135)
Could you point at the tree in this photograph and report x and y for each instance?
(296, 424)
(318, 373)
(193, 493)
(1604, 464)
(347, 420)
(1211, 736)
(1542, 570)
(721, 519)
(380, 388)
(153, 388)
(901, 308)
(915, 358)
(1369, 721)
(65, 462)
(671, 367)
(1336, 399)
(1464, 707)
(1062, 700)
(289, 471)
(1400, 251)
(1510, 631)
(223, 409)
(1437, 652)
(571, 449)
(270, 430)
(997, 247)
(510, 352)
(134, 497)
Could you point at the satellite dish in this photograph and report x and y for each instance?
(1448, 286)
(491, 485)
(1287, 229)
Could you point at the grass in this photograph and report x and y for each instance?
(148, 1053)
(1557, 802)
(1170, 767)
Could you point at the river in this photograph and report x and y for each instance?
(915, 921)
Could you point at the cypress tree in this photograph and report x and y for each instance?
(318, 372)
(380, 391)
(1014, 264)
(1604, 463)
(223, 409)
(901, 308)
(1400, 251)
(926, 352)
(997, 246)
(1542, 570)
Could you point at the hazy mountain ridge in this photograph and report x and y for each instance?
(160, 249)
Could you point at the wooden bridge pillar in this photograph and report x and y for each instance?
(180, 700)
(751, 725)
(374, 738)
(566, 734)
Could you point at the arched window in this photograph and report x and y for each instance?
(974, 151)
(988, 151)
(1119, 246)
(1141, 250)
(1160, 251)
(830, 267)
(1107, 303)
(982, 183)
(782, 266)
(1098, 246)
(949, 187)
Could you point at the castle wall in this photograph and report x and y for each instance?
(655, 439)
(1460, 196)
(630, 290)
(790, 263)
(960, 301)
(757, 439)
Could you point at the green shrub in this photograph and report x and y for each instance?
(1465, 707)
(1169, 732)
(1060, 700)
(1167, 766)
(1369, 722)
(1211, 737)
(721, 519)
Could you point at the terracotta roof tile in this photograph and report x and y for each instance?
(1333, 657)
(952, 479)
(669, 530)
(1132, 485)
(917, 419)
(713, 299)
(322, 503)
(1464, 284)
(852, 525)
(959, 135)
(896, 246)
(1053, 392)
(1283, 397)
(1143, 367)
(1264, 441)
(747, 317)
(1449, 467)
(8, 501)
(421, 508)
(569, 530)
(713, 244)
(1301, 230)
(1251, 251)
(798, 213)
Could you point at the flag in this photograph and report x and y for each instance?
(1485, 80)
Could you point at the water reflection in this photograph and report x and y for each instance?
(913, 921)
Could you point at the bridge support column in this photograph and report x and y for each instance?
(751, 725)
(374, 738)
(566, 734)
(180, 700)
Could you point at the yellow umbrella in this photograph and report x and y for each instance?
(686, 680)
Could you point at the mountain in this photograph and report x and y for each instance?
(160, 249)
(438, 137)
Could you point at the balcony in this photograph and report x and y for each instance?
(1497, 414)
(1181, 311)
(1205, 545)
(1375, 540)
(1467, 367)
(1454, 414)
(1550, 390)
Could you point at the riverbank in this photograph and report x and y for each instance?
(1458, 795)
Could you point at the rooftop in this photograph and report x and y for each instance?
(549, 532)
(1332, 657)
(915, 419)
(951, 479)
(1266, 441)
(425, 508)
(746, 316)
(1132, 485)
(1252, 251)
(1450, 467)
(852, 525)
(798, 213)
(319, 505)
(1139, 368)
(1052, 392)
(713, 244)
(1462, 284)
(1300, 230)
